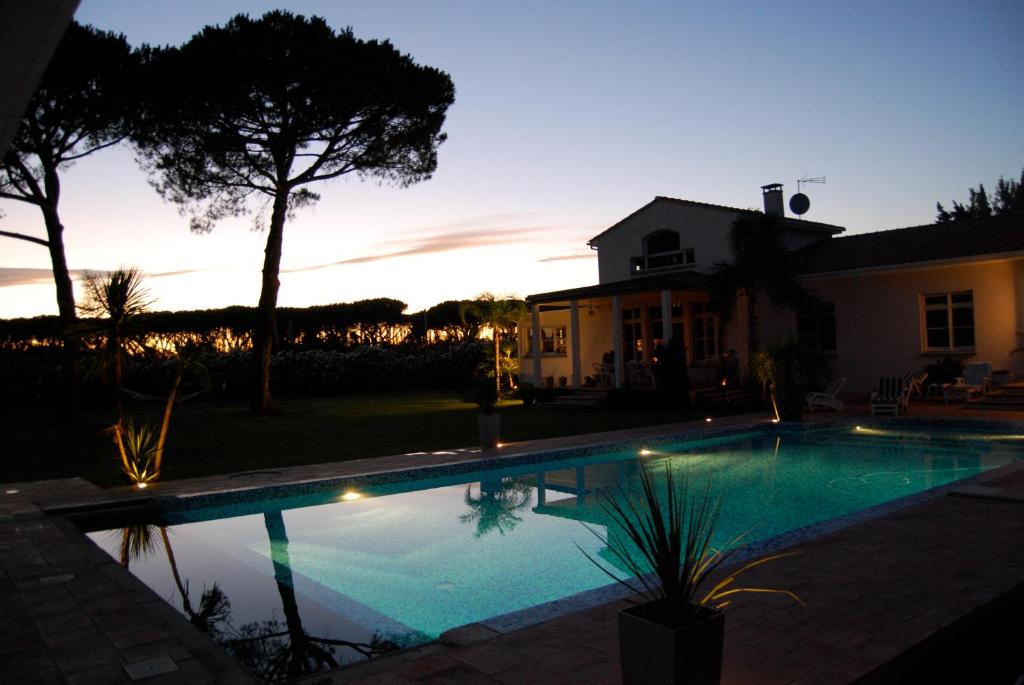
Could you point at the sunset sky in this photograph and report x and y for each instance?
(568, 116)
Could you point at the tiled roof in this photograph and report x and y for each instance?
(796, 223)
(934, 242)
(677, 280)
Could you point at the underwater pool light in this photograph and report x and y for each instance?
(645, 452)
(351, 495)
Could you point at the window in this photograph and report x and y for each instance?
(704, 333)
(632, 335)
(552, 340)
(948, 321)
(662, 249)
(661, 241)
(817, 328)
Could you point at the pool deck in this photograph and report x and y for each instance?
(877, 593)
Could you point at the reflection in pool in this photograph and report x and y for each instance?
(299, 583)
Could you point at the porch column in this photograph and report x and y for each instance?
(666, 316)
(620, 366)
(535, 342)
(574, 332)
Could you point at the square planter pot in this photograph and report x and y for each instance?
(490, 428)
(653, 654)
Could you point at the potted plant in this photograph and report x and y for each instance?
(485, 396)
(676, 635)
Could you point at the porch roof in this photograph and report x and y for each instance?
(678, 280)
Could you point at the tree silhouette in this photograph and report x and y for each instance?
(1007, 199)
(279, 653)
(246, 116)
(496, 507)
(81, 106)
(760, 266)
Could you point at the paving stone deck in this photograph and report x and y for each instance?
(873, 591)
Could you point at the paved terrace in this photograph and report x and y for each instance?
(879, 594)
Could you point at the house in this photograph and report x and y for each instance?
(889, 301)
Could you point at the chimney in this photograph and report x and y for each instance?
(773, 199)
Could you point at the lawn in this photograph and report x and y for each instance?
(220, 437)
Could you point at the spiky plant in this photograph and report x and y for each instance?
(672, 529)
(763, 369)
(139, 448)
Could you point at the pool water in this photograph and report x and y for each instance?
(298, 583)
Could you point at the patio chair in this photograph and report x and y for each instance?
(827, 399)
(976, 380)
(914, 381)
(890, 396)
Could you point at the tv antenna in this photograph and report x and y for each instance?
(800, 203)
(809, 179)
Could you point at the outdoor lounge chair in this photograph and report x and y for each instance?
(976, 380)
(827, 399)
(914, 381)
(890, 397)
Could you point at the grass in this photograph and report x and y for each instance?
(220, 437)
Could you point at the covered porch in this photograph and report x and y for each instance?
(604, 336)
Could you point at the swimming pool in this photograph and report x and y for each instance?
(294, 581)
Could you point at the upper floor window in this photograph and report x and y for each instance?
(948, 321)
(662, 249)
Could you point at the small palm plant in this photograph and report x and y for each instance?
(763, 368)
(141, 447)
(673, 533)
(140, 450)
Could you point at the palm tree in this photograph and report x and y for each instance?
(115, 300)
(761, 267)
(500, 314)
(496, 507)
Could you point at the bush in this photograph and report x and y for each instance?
(30, 377)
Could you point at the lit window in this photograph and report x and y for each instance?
(552, 340)
(948, 321)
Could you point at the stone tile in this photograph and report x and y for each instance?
(79, 651)
(427, 666)
(19, 666)
(468, 634)
(69, 620)
(132, 635)
(152, 650)
(489, 657)
(192, 671)
(99, 676)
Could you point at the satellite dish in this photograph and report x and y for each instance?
(799, 204)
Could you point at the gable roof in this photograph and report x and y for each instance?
(789, 221)
(996, 235)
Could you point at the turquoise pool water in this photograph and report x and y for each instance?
(296, 583)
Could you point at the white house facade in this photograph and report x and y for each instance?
(879, 310)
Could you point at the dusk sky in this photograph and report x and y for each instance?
(569, 116)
